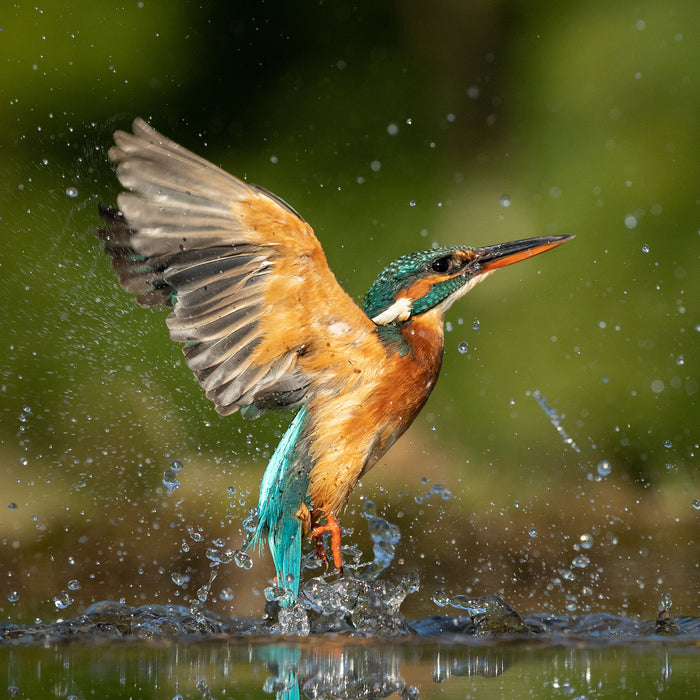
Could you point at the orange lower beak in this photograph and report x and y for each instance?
(492, 257)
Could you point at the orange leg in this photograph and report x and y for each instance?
(333, 526)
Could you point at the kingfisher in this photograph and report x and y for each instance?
(264, 324)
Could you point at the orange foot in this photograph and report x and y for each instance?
(333, 526)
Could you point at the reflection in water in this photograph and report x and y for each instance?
(354, 672)
(154, 651)
(220, 667)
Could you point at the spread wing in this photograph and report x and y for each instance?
(253, 298)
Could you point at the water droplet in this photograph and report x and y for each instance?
(226, 594)
(441, 491)
(668, 444)
(586, 541)
(219, 557)
(463, 347)
(696, 503)
(176, 465)
(71, 192)
(476, 324)
(274, 593)
(73, 585)
(63, 600)
(441, 599)
(170, 479)
(581, 561)
(13, 691)
(392, 129)
(375, 166)
(13, 596)
(532, 532)
(179, 579)
(666, 601)
(12, 506)
(412, 203)
(604, 468)
(680, 360)
(242, 560)
(369, 509)
(250, 524)
(571, 604)
(194, 535)
(505, 200)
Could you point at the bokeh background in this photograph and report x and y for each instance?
(391, 126)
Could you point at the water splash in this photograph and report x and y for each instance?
(357, 602)
(358, 606)
(203, 591)
(555, 419)
(385, 536)
(489, 614)
(435, 490)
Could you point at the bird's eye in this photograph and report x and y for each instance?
(441, 264)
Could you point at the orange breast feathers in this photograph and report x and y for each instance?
(355, 423)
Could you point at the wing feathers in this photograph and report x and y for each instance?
(239, 266)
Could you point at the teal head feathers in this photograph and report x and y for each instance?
(422, 281)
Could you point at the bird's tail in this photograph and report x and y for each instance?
(282, 493)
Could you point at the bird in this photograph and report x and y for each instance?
(264, 324)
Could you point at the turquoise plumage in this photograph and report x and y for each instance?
(283, 488)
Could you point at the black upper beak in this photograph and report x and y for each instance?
(494, 256)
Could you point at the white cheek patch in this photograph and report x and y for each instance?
(400, 310)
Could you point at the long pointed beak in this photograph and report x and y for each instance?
(492, 257)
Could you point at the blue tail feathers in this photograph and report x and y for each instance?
(282, 492)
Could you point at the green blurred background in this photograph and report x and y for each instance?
(390, 127)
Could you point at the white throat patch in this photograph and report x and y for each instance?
(447, 303)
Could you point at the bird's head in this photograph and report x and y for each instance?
(422, 281)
